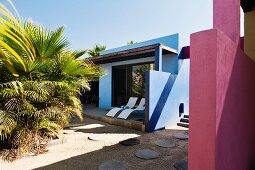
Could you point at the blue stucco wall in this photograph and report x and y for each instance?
(166, 92)
(170, 63)
(105, 87)
(170, 41)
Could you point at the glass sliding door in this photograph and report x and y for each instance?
(138, 79)
(128, 81)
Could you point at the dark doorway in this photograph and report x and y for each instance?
(127, 81)
(120, 85)
(92, 96)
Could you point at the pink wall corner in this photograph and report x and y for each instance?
(222, 112)
(235, 107)
(226, 17)
(202, 134)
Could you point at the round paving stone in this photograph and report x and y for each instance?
(113, 165)
(181, 136)
(130, 142)
(165, 143)
(147, 154)
(181, 165)
(97, 137)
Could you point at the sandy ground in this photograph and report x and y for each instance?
(78, 152)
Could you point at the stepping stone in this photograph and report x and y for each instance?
(165, 143)
(181, 165)
(113, 165)
(181, 136)
(147, 154)
(130, 142)
(97, 137)
(68, 131)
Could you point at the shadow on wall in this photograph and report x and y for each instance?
(166, 95)
(236, 123)
(221, 105)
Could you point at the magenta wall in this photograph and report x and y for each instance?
(222, 112)
(202, 101)
(226, 17)
(222, 95)
(235, 114)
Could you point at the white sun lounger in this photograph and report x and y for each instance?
(125, 113)
(131, 103)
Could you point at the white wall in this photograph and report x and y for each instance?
(179, 94)
(169, 116)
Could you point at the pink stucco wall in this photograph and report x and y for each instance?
(222, 105)
(235, 107)
(202, 101)
(222, 93)
(226, 17)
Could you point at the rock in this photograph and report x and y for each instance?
(181, 165)
(181, 136)
(147, 154)
(130, 142)
(113, 165)
(97, 137)
(165, 143)
(68, 131)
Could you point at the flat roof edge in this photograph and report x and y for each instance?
(140, 52)
(169, 40)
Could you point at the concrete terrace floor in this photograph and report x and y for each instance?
(134, 120)
(91, 109)
(78, 152)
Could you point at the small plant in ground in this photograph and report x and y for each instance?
(40, 84)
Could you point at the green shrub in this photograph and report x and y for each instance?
(40, 84)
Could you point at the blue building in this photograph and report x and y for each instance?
(153, 70)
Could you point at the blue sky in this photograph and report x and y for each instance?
(114, 22)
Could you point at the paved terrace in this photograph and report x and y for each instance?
(134, 121)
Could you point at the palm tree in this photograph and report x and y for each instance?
(131, 42)
(40, 83)
(95, 52)
(12, 31)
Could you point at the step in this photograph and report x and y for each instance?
(186, 116)
(118, 122)
(186, 125)
(184, 120)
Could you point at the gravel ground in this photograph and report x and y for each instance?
(78, 152)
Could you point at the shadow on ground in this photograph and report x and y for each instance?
(80, 126)
(92, 160)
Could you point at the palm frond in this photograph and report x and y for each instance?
(78, 53)
(51, 127)
(97, 49)
(47, 43)
(7, 124)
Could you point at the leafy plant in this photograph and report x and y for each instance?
(131, 42)
(40, 84)
(95, 52)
